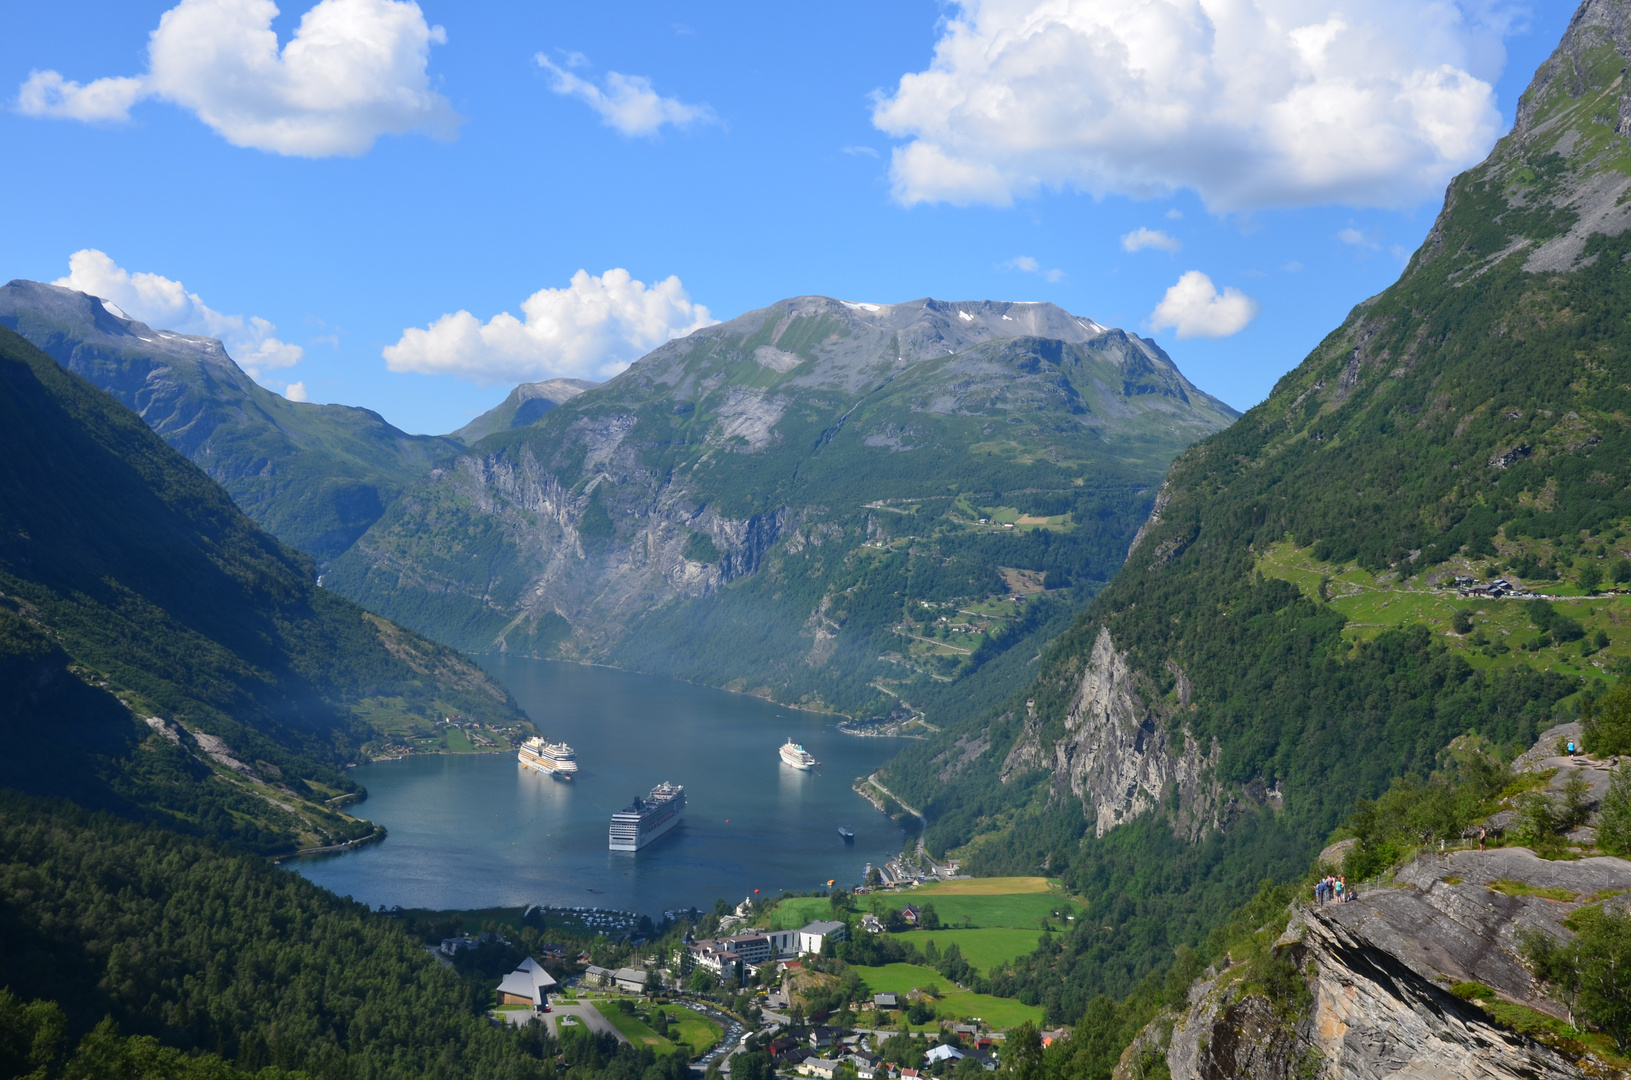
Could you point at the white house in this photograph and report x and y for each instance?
(817, 934)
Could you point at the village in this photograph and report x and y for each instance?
(737, 991)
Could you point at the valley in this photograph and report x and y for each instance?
(1032, 710)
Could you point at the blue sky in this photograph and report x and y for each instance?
(771, 151)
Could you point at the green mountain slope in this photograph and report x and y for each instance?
(215, 952)
(1287, 635)
(315, 476)
(524, 406)
(165, 657)
(839, 505)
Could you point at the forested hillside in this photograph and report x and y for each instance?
(315, 476)
(845, 506)
(164, 657)
(233, 965)
(1288, 635)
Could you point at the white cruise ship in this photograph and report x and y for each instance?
(643, 820)
(556, 759)
(795, 755)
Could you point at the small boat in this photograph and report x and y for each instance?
(799, 758)
(847, 833)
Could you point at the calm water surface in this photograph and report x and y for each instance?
(477, 830)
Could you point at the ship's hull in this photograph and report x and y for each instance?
(796, 763)
(550, 768)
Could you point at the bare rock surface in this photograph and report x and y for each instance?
(1117, 756)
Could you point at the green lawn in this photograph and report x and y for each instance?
(695, 1032)
(797, 911)
(956, 1004)
(632, 1028)
(1026, 910)
(983, 948)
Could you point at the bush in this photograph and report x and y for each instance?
(1461, 621)
(1591, 576)
(1606, 722)
(1592, 973)
(1614, 818)
(1620, 572)
(1538, 819)
(1576, 807)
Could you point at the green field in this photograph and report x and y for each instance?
(695, 1032)
(633, 1029)
(689, 1032)
(1501, 628)
(956, 1004)
(1022, 903)
(797, 911)
(1025, 910)
(984, 949)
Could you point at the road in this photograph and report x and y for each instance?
(587, 1015)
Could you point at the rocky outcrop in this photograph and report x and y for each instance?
(1118, 754)
(1378, 971)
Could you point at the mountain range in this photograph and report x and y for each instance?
(843, 506)
(316, 476)
(164, 657)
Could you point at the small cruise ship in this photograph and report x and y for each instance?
(644, 820)
(795, 755)
(556, 759)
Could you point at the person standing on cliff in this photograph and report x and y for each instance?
(1482, 833)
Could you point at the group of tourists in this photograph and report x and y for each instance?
(1332, 889)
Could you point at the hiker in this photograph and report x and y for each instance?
(1482, 832)
(1342, 890)
(1339, 890)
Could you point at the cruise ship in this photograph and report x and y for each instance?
(556, 758)
(643, 820)
(795, 755)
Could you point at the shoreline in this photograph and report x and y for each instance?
(374, 837)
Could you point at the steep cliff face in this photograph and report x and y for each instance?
(770, 503)
(1117, 752)
(1374, 977)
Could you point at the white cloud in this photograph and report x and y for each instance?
(1251, 104)
(1194, 308)
(861, 151)
(354, 70)
(1141, 238)
(296, 391)
(1293, 267)
(628, 103)
(591, 329)
(1358, 239)
(1030, 266)
(1174, 214)
(165, 304)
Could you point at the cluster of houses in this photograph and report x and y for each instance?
(732, 958)
(629, 980)
(805, 1056)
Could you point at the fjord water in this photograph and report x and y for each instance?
(478, 830)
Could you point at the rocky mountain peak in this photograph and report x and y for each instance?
(63, 314)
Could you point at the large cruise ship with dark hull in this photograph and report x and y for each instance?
(645, 819)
